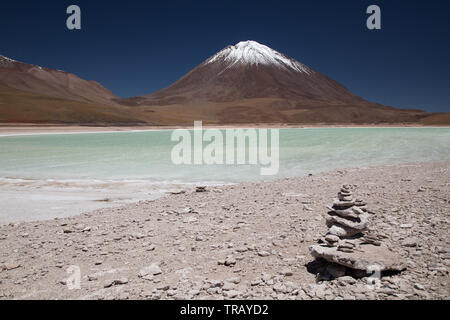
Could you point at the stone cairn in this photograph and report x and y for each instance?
(349, 242)
(347, 220)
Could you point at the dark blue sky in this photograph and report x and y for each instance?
(137, 47)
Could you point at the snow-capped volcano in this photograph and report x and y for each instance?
(251, 83)
(253, 53)
(250, 70)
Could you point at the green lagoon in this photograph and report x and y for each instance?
(147, 155)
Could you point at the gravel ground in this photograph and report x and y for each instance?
(246, 241)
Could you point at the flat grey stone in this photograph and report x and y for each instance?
(342, 231)
(371, 256)
(342, 204)
(358, 225)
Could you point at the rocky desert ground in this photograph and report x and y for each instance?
(245, 241)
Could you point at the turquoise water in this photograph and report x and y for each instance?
(147, 155)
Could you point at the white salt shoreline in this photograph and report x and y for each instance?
(76, 132)
(11, 131)
(26, 199)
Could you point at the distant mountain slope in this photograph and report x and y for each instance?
(18, 106)
(33, 94)
(52, 83)
(437, 119)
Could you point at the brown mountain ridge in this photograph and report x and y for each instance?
(242, 84)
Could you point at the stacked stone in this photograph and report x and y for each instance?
(347, 220)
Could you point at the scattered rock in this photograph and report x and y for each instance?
(177, 192)
(163, 287)
(92, 277)
(171, 293)
(286, 272)
(418, 286)
(235, 280)
(346, 280)
(409, 242)
(116, 282)
(215, 283)
(231, 294)
(150, 271)
(230, 261)
(263, 253)
(256, 282)
(190, 220)
(11, 266)
(200, 189)
(228, 286)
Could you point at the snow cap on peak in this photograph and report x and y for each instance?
(2, 57)
(6, 62)
(250, 43)
(253, 53)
